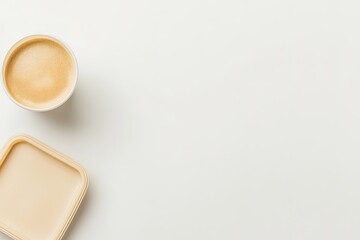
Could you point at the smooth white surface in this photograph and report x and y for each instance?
(204, 119)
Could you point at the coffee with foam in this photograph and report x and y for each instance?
(39, 72)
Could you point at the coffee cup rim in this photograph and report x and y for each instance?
(19, 43)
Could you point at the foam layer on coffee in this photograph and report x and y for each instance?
(39, 73)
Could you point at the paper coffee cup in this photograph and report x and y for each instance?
(40, 73)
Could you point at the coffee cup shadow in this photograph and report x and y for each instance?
(65, 116)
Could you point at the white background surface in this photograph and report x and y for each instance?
(204, 119)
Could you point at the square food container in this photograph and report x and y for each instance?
(40, 190)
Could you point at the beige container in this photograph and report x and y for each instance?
(40, 190)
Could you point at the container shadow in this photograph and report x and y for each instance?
(79, 216)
